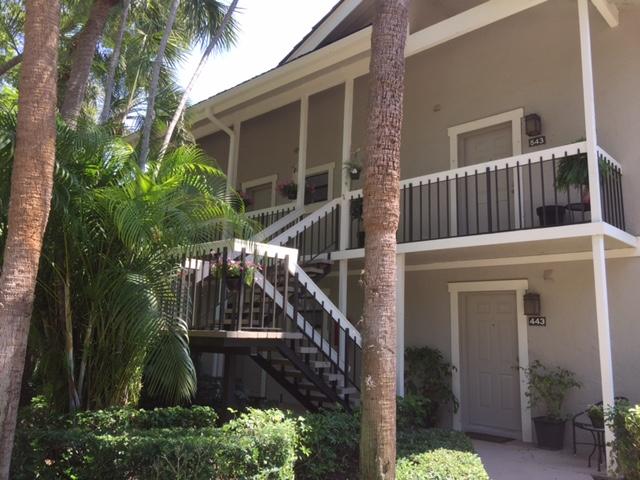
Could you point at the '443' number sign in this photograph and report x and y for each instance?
(538, 321)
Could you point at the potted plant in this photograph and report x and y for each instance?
(596, 415)
(573, 171)
(356, 214)
(354, 168)
(548, 388)
(288, 189)
(247, 199)
(234, 271)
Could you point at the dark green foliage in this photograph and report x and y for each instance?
(441, 464)
(625, 421)
(257, 445)
(332, 441)
(184, 443)
(428, 375)
(548, 388)
(416, 411)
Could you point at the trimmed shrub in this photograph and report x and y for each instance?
(625, 421)
(441, 464)
(331, 441)
(260, 445)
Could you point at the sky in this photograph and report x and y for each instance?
(269, 29)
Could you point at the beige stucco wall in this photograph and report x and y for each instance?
(269, 145)
(217, 147)
(567, 297)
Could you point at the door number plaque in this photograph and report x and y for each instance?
(538, 321)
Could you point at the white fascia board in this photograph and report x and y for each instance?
(608, 11)
(355, 44)
(325, 29)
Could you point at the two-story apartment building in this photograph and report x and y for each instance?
(503, 97)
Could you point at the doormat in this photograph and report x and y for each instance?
(488, 438)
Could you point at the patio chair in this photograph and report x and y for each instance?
(597, 433)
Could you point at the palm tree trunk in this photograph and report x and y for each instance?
(82, 58)
(185, 95)
(113, 64)
(381, 216)
(153, 86)
(9, 64)
(31, 186)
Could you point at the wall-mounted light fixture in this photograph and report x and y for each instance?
(532, 304)
(533, 125)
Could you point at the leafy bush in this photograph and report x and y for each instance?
(428, 375)
(260, 445)
(548, 388)
(441, 464)
(331, 441)
(625, 421)
(415, 411)
(119, 420)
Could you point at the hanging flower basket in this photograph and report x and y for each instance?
(288, 189)
(234, 271)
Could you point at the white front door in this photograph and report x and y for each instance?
(489, 339)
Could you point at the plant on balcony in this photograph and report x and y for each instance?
(289, 189)
(236, 271)
(246, 198)
(354, 166)
(548, 389)
(573, 171)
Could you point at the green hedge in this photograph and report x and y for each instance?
(332, 442)
(181, 443)
(625, 421)
(256, 445)
(441, 464)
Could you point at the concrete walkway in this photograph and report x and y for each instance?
(520, 461)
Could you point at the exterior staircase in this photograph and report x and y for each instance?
(282, 319)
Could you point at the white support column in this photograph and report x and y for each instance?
(589, 110)
(234, 154)
(523, 363)
(597, 241)
(342, 299)
(302, 150)
(345, 182)
(604, 329)
(455, 356)
(400, 280)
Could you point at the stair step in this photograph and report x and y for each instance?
(307, 350)
(320, 364)
(313, 270)
(333, 377)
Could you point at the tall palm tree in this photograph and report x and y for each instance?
(145, 140)
(217, 36)
(82, 58)
(381, 216)
(31, 187)
(113, 64)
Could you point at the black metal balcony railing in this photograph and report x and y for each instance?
(268, 216)
(502, 196)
